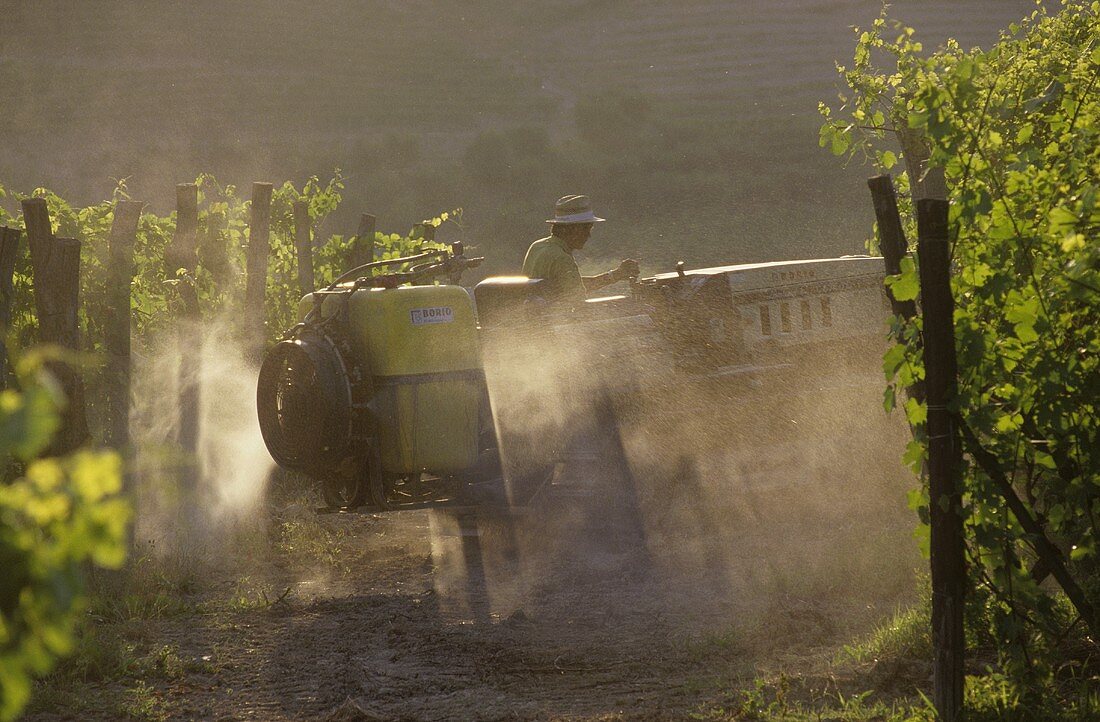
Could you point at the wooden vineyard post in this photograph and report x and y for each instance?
(891, 235)
(304, 245)
(9, 250)
(120, 252)
(66, 285)
(55, 264)
(894, 247)
(64, 268)
(944, 459)
(182, 252)
(215, 257)
(259, 246)
(36, 219)
(362, 250)
(182, 257)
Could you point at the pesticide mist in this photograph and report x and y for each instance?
(711, 500)
(232, 466)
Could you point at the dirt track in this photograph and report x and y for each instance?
(568, 617)
(406, 636)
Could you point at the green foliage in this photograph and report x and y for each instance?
(223, 238)
(1016, 133)
(219, 278)
(64, 514)
(59, 516)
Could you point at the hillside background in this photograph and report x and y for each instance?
(692, 124)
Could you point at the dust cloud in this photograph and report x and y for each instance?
(743, 501)
(708, 501)
(186, 505)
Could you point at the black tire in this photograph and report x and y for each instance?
(357, 482)
(344, 492)
(377, 486)
(304, 404)
(346, 488)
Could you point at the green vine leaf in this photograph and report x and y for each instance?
(906, 285)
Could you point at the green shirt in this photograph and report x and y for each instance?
(552, 260)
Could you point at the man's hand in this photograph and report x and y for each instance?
(627, 269)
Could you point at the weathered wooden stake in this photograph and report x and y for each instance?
(944, 459)
(362, 250)
(215, 254)
(120, 252)
(894, 247)
(891, 235)
(9, 251)
(183, 251)
(56, 267)
(304, 245)
(183, 255)
(36, 219)
(259, 247)
(51, 259)
(66, 285)
(925, 181)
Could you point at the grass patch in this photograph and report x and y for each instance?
(113, 673)
(885, 675)
(778, 700)
(907, 635)
(152, 586)
(119, 661)
(250, 594)
(993, 697)
(142, 702)
(309, 543)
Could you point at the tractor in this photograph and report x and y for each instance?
(403, 389)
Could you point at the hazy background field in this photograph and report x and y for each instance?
(692, 124)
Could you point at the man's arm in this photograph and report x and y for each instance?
(595, 283)
(626, 269)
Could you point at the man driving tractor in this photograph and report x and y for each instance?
(551, 258)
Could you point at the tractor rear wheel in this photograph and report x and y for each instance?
(357, 482)
(304, 404)
(346, 487)
(344, 492)
(376, 486)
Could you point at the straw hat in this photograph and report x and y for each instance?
(574, 209)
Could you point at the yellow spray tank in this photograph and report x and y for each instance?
(417, 346)
(378, 391)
